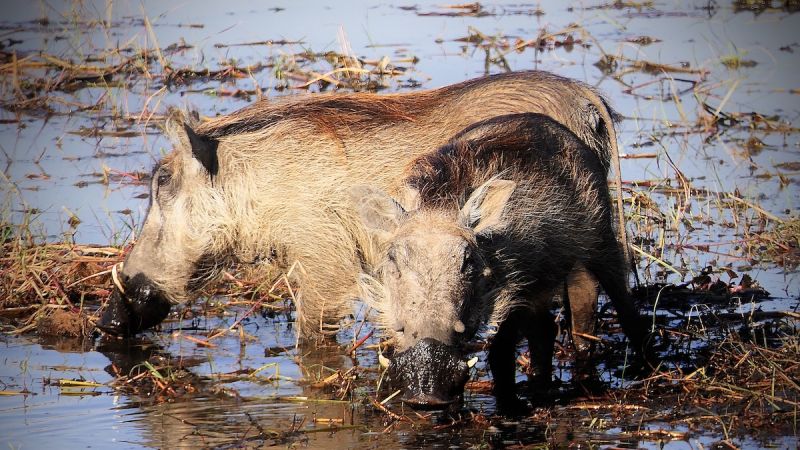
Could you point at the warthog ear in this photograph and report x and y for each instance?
(483, 210)
(204, 149)
(376, 208)
(409, 198)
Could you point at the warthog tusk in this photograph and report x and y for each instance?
(459, 326)
(115, 277)
(472, 362)
(383, 361)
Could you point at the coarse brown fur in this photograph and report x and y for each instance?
(285, 167)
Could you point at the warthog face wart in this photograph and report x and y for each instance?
(431, 275)
(436, 268)
(172, 257)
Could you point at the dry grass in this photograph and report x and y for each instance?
(38, 279)
(40, 282)
(780, 244)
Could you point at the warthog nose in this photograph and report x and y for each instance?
(431, 373)
(134, 305)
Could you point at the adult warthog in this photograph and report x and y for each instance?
(270, 183)
(507, 212)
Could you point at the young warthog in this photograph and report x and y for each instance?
(270, 183)
(506, 212)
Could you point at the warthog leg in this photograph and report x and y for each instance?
(581, 306)
(533, 321)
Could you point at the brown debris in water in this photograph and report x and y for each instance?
(159, 379)
(40, 80)
(782, 243)
(64, 323)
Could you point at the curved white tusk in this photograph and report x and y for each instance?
(115, 277)
(383, 361)
(458, 326)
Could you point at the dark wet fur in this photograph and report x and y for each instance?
(508, 144)
(535, 257)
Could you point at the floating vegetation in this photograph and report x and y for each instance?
(40, 83)
(782, 243)
(760, 6)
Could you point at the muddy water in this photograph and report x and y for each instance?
(82, 162)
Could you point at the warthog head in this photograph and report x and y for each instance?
(433, 286)
(179, 248)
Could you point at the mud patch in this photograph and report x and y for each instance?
(64, 323)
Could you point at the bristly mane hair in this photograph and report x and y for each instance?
(328, 112)
(362, 111)
(517, 142)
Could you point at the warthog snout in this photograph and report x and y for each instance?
(432, 374)
(141, 306)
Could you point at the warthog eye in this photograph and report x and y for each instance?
(467, 266)
(391, 267)
(163, 177)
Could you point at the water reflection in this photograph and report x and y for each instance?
(190, 408)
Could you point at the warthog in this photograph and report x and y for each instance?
(506, 212)
(270, 183)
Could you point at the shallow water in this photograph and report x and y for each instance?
(51, 174)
